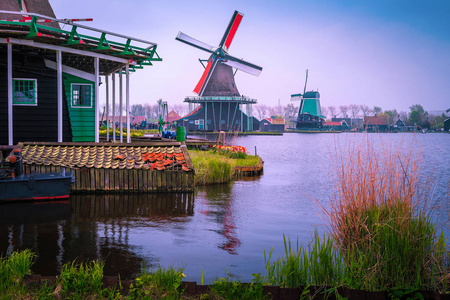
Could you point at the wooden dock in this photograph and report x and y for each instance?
(107, 167)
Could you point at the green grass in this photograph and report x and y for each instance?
(224, 288)
(213, 168)
(80, 280)
(162, 283)
(317, 264)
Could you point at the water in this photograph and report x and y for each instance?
(218, 229)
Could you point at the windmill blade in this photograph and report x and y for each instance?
(242, 65)
(193, 42)
(231, 30)
(200, 87)
(296, 97)
(306, 81)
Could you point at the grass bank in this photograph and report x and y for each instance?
(212, 167)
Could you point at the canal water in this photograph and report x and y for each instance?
(216, 230)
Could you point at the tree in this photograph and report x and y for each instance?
(332, 111)
(290, 111)
(137, 110)
(324, 111)
(365, 110)
(343, 109)
(377, 110)
(418, 116)
(262, 111)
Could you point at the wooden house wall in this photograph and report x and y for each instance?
(92, 180)
(228, 112)
(82, 119)
(32, 123)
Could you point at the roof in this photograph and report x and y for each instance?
(76, 155)
(376, 120)
(194, 112)
(173, 116)
(276, 121)
(114, 50)
(42, 7)
(333, 123)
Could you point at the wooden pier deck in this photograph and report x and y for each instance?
(107, 167)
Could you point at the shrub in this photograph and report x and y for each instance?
(379, 219)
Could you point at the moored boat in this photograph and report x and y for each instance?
(14, 185)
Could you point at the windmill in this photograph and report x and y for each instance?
(309, 113)
(216, 88)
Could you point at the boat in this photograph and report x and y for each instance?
(17, 186)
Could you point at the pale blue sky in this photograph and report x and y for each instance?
(386, 53)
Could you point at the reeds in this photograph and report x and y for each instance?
(379, 219)
(317, 264)
(80, 280)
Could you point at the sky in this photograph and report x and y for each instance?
(387, 53)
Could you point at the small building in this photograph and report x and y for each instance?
(272, 124)
(351, 122)
(376, 123)
(399, 125)
(336, 126)
(173, 116)
(447, 125)
(50, 73)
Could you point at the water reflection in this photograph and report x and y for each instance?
(89, 227)
(220, 204)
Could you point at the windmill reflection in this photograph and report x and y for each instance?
(89, 227)
(221, 202)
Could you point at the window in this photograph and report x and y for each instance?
(81, 95)
(24, 91)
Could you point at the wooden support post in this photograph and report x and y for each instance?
(96, 88)
(120, 105)
(107, 107)
(60, 94)
(10, 96)
(114, 106)
(127, 95)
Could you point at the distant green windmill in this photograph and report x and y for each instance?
(309, 114)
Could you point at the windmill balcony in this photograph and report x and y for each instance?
(240, 99)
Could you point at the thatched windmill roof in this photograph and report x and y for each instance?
(41, 7)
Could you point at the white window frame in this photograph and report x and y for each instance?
(35, 92)
(71, 95)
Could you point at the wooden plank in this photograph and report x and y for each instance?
(144, 179)
(125, 177)
(120, 184)
(92, 179)
(158, 180)
(101, 179)
(137, 183)
(106, 171)
(117, 179)
(164, 181)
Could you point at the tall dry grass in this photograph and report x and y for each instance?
(379, 217)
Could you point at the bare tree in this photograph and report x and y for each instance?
(404, 116)
(262, 110)
(343, 109)
(324, 111)
(290, 111)
(365, 110)
(180, 109)
(332, 111)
